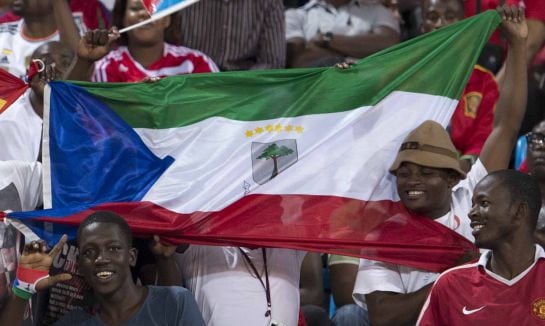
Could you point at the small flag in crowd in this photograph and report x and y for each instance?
(159, 9)
(279, 158)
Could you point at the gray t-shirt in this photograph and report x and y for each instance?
(164, 305)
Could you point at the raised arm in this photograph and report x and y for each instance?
(93, 46)
(68, 31)
(509, 113)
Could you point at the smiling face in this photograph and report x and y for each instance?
(424, 190)
(148, 34)
(105, 258)
(492, 213)
(440, 13)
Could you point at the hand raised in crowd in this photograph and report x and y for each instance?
(514, 25)
(161, 250)
(36, 258)
(96, 44)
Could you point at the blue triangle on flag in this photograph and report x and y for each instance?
(95, 156)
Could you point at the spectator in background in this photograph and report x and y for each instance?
(311, 288)
(338, 29)
(237, 34)
(143, 53)
(21, 123)
(243, 286)
(493, 54)
(342, 276)
(93, 13)
(428, 177)
(535, 160)
(20, 190)
(43, 21)
(506, 285)
(472, 120)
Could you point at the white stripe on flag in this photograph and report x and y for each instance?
(333, 152)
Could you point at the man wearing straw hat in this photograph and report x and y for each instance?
(430, 182)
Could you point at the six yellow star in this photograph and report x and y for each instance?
(249, 133)
(299, 129)
(269, 128)
(258, 130)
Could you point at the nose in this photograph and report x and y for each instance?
(102, 257)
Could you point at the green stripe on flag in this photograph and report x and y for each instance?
(438, 63)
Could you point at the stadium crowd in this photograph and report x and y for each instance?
(465, 177)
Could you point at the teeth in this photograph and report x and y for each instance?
(477, 227)
(415, 193)
(104, 274)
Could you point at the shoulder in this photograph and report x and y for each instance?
(456, 276)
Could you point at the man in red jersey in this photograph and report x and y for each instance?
(506, 285)
(472, 120)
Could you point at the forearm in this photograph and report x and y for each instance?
(513, 91)
(66, 25)
(363, 45)
(395, 309)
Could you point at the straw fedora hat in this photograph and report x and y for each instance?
(428, 145)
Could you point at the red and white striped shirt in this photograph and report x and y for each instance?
(120, 66)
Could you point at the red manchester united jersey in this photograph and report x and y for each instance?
(472, 295)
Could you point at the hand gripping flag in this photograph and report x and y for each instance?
(279, 158)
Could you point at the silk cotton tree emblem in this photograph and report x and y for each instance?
(270, 159)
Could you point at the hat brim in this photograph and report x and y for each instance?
(428, 159)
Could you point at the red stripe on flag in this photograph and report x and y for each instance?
(330, 224)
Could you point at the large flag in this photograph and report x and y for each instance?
(285, 158)
(158, 9)
(11, 88)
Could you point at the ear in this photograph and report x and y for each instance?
(521, 214)
(133, 253)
